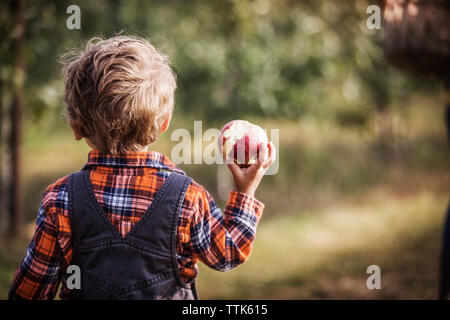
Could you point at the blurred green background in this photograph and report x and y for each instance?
(364, 160)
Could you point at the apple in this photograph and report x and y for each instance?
(240, 140)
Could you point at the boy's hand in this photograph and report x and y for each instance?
(247, 179)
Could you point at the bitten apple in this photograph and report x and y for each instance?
(240, 140)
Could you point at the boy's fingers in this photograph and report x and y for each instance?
(262, 155)
(272, 156)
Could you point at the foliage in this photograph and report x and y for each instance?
(233, 58)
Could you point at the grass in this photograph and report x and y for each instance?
(343, 199)
(325, 254)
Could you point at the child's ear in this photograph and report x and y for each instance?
(75, 130)
(165, 124)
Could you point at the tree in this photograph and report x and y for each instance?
(16, 113)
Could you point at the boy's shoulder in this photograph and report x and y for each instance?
(56, 196)
(196, 195)
(195, 191)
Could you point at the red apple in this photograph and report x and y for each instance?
(240, 140)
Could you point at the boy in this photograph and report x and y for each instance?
(133, 222)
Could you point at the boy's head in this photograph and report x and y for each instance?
(119, 93)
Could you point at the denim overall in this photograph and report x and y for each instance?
(141, 265)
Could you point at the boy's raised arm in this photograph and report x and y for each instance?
(224, 240)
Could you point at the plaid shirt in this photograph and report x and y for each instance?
(125, 187)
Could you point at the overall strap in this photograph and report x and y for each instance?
(158, 226)
(88, 222)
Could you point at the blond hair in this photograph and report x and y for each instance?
(118, 92)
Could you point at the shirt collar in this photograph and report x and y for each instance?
(149, 159)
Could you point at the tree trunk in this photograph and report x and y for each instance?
(447, 107)
(16, 113)
(2, 201)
